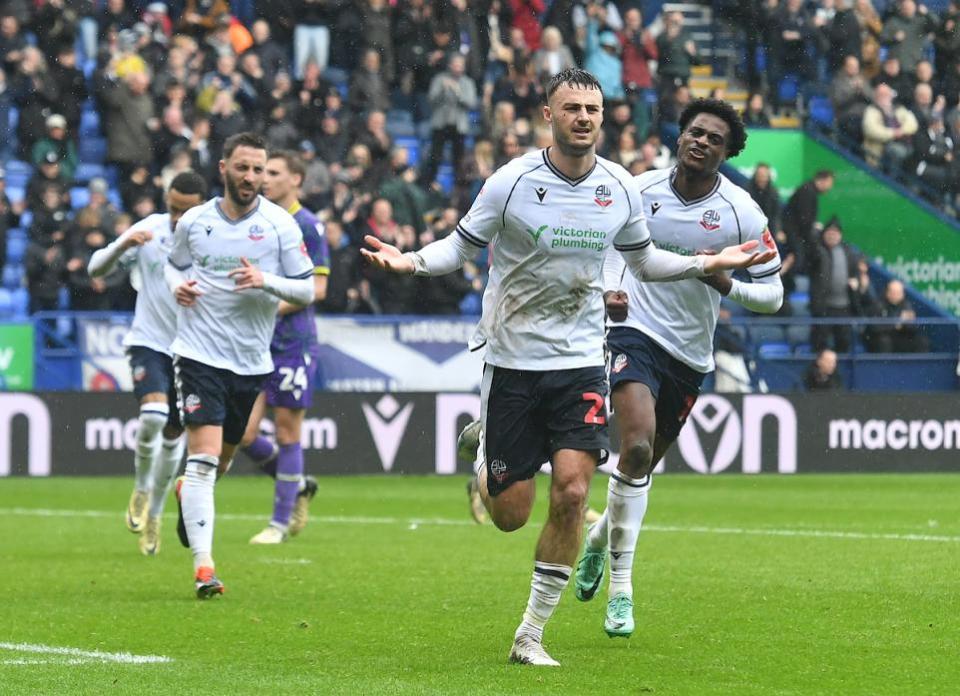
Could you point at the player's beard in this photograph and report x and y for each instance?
(571, 149)
(238, 196)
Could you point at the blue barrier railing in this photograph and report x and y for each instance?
(775, 351)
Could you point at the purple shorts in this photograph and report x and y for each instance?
(291, 383)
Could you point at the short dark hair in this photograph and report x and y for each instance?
(189, 183)
(737, 139)
(574, 77)
(823, 174)
(247, 139)
(293, 161)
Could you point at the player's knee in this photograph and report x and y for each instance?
(569, 497)
(636, 456)
(509, 520)
(153, 416)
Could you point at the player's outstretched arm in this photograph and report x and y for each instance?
(104, 260)
(387, 257)
(437, 258)
(738, 256)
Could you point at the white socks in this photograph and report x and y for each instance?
(196, 502)
(165, 469)
(546, 586)
(153, 416)
(626, 506)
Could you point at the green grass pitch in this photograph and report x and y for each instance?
(745, 585)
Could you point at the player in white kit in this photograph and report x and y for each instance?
(233, 259)
(661, 335)
(144, 248)
(550, 215)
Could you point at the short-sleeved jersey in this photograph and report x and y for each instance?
(298, 330)
(226, 328)
(543, 306)
(155, 316)
(682, 316)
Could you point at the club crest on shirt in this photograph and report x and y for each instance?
(602, 196)
(710, 221)
(139, 373)
(255, 233)
(619, 364)
(767, 240)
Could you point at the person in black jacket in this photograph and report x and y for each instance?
(822, 374)
(834, 279)
(800, 216)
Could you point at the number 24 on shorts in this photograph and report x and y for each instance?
(291, 379)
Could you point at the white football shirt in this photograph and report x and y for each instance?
(226, 328)
(681, 316)
(155, 315)
(543, 306)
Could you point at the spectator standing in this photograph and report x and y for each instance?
(311, 35)
(834, 279)
(452, 96)
(843, 34)
(552, 56)
(36, 95)
(130, 121)
(368, 90)
(947, 39)
(906, 33)
(871, 26)
(200, 17)
(822, 374)
(936, 158)
(47, 174)
(71, 85)
(526, 18)
(677, 53)
(800, 216)
(792, 41)
(892, 74)
(273, 57)
(850, 96)
(12, 42)
(887, 131)
(375, 30)
(637, 49)
(602, 57)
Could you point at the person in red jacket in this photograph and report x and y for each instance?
(526, 18)
(637, 47)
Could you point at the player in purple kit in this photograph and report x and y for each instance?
(289, 390)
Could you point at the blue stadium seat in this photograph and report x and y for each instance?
(12, 276)
(26, 219)
(21, 303)
(821, 111)
(423, 130)
(13, 117)
(113, 195)
(772, 350)
(789, 89)
(767, 333)
(16, 248)
(79, 197)
(19, 167)
(445, 178)
(16, 193)
(401, 129)
(412, 145)
(89, 124)
(93, 150)
(802, 283)
(399, 116)
(87, 171)
(6, 304)
(18, 232)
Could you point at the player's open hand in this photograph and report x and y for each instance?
(738, 256)
(616, 303)
(187, 293)
(386, 256)
(247, 276)
(137, 238)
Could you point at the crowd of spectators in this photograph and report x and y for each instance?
(401, 108)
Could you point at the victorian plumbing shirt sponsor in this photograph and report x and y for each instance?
(225, 328)
(155, 318)
(543, 306)
(681, 316)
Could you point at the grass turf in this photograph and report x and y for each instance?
(411, 598)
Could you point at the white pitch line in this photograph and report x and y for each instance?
(286, 561)
(90, 655)
(439, 521)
